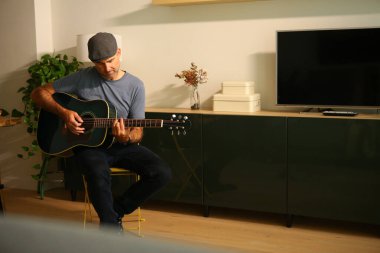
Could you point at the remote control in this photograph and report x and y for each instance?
(339, 113)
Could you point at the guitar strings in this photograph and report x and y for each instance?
(132, 122)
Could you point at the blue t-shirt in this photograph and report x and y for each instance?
(127, 94)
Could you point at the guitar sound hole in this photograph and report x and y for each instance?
(88, 122)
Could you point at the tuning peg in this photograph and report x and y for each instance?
(184, 132)
(173, 117)
(179, 117)
(185, 118)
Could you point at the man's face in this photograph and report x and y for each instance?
(109, 68)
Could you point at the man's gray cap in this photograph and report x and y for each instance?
(101, 46)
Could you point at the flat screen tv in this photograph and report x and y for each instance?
(329, 68)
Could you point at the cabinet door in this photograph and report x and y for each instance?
(245, 162)
(334, 168)
(183, 154)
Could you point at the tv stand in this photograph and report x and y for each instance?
(280, 171)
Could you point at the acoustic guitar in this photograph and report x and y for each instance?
(98, 117)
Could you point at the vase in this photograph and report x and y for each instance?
(195, 102)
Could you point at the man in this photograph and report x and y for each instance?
(126, 92)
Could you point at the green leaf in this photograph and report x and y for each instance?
(16, 113)
(36, 166)
(34, 148)
(36, 177)
(20, 155)
(25, 148)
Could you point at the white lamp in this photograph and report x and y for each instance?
(82, 49)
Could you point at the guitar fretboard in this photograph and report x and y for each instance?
(107, 123)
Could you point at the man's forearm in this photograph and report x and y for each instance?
(42, 96)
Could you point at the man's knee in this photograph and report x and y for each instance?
(162, 174)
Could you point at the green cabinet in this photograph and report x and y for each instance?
(316, 167)
(225, 161)
(334, 168)
(183, 153)
(245, 162)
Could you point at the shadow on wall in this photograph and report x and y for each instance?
(243, 11)
(264, 75)
(9, 85)
(208, 102)
(171, 95)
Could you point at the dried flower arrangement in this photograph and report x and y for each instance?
(193, 76)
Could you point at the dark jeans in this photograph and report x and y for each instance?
(96, 162)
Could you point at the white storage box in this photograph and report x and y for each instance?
(237, 103)
(237, 88)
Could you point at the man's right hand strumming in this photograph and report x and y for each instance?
(73, 122)
(42, 96)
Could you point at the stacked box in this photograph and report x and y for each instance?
(237, 88)
(237, 97)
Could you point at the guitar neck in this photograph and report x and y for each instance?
(107, 122)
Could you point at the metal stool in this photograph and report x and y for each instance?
(135, 217)
(42, 176)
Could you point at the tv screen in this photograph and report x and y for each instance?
(329, 68)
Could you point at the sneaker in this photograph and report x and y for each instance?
(120, 224)
(114, 227)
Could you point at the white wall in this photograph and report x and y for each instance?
(18, 51)
(43, 27)
(231, 41)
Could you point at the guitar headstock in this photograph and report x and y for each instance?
(178, 124)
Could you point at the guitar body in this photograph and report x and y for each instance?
(55, 139)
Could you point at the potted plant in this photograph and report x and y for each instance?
(48, 69)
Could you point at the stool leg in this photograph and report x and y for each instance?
(42, 176)
(139, 220)
(87, 204)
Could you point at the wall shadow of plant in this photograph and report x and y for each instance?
(169, 96)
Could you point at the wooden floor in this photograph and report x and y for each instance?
(238, 231)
